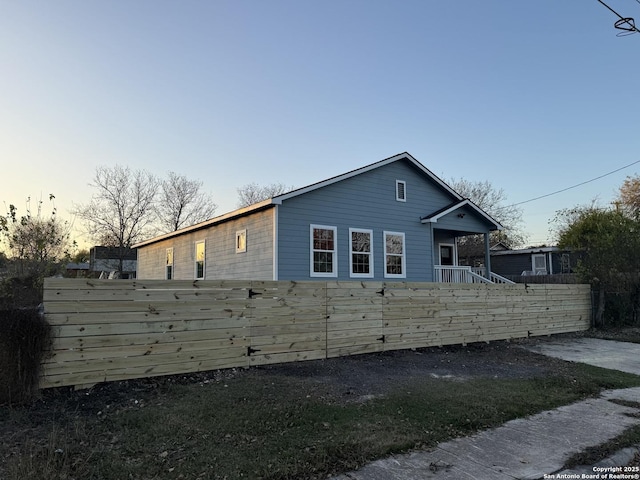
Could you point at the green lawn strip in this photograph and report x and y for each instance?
(276, 427)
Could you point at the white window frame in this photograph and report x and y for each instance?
(241, 241)
(533, 263)
(402, 198)
(334, 252)
(352, 274)
(168, 254)
(403, 256)
(204, 260)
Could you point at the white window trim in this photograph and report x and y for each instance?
(404, 255)
(204, 260)
(533, 262)
(166, 264)
(239, 234)
(351, 252)
(334, 273)
(404, 190)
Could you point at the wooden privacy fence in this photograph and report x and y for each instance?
(108, 330)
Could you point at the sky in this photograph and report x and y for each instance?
(532, 96)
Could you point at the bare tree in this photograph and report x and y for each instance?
(182, 203)
(493, 201)
(254, 193)
(122, 211)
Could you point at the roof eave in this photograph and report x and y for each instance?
(465, 202)
(207, 223)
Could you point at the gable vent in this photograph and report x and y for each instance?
(401, 191)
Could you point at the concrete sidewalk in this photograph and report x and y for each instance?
(529, 448)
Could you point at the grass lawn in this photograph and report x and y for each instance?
(273, 423)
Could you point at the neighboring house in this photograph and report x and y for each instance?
(105, 262)
(472, 252)
(391, 220)
(533, 261)
(77, 269)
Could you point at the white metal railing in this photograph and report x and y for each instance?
(457, 274)
(495, 278)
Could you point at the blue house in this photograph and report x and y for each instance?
(390, 220)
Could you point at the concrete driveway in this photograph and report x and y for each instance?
(621, 356)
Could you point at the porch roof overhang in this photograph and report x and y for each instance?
(437, 215)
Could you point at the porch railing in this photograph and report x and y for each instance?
(458, 274)
(495, 278)
(465, 274)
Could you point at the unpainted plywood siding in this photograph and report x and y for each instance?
(221, 259)
(366, 201)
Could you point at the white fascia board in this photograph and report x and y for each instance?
(435, 218)
(465, 202)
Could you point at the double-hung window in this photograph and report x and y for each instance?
(361, 254)
(324, 261)
(169, 264)
(394, 255)
(200, 259)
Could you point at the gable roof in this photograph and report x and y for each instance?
(435, 216)
(278, 199)
(401, 156)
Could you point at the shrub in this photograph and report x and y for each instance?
(25, 339)
(622, 308)
(20, 292)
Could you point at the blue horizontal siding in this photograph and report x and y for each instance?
(365, 201)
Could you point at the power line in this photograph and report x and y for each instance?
(576, 185)
(626, 24)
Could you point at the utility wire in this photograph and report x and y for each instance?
(576, 185)
(628, 24)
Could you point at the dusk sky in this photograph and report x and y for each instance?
(533, 96)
